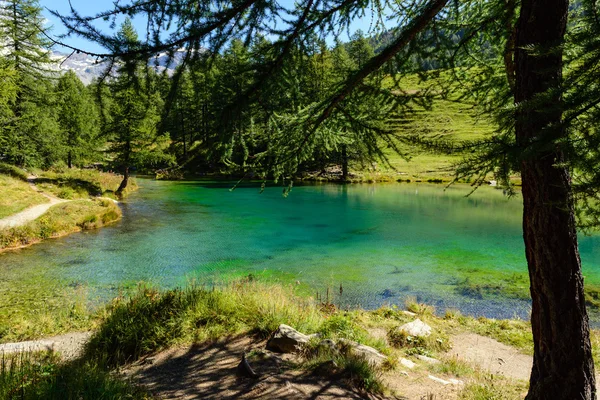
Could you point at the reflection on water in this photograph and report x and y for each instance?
(382, 242)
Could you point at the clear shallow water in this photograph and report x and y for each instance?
(381, 242)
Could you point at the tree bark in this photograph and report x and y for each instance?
(124, 182)
(562, 363)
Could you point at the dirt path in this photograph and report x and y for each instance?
(30, 213)
(69, 345)
(491, 355)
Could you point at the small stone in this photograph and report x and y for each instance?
(404, 373)
(439, 380)
(410, 314)
(446, 382)
(287, 340)
(407, 363)
(428, 360)
(370, 354)
(416, 328)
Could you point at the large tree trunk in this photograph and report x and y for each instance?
(562, 361)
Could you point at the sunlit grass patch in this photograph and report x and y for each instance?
(60, 220)
(16, 196)
(513, 332)
(13, 171)
(493, 387)
(81, 183)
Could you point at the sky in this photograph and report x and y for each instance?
(85, 8)
(91, 7)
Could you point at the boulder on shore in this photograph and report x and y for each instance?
(287, 340)
(416, 328)
(368, 353)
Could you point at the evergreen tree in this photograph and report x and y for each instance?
(31, 130)
(78, 119)
(134, 107)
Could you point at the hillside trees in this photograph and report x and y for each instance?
(78, 119)
(29, 128)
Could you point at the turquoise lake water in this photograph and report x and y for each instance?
(382, 242)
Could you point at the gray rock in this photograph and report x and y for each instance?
(407, 363)
(428, 360)
(416, 328)
(287, 340)
(370, 354)
(446, 382)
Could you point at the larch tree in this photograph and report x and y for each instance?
(29, 133)
(78, 119)
(134, 108)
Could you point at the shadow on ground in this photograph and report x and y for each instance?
(210, 371)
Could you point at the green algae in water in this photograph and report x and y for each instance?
(382, 242)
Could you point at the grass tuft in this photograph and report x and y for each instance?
(341, 362)
(493, 388)
(420, 309)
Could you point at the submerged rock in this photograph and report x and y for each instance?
(287, 340)
(416, 328)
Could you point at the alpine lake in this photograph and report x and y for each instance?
(378, 243)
